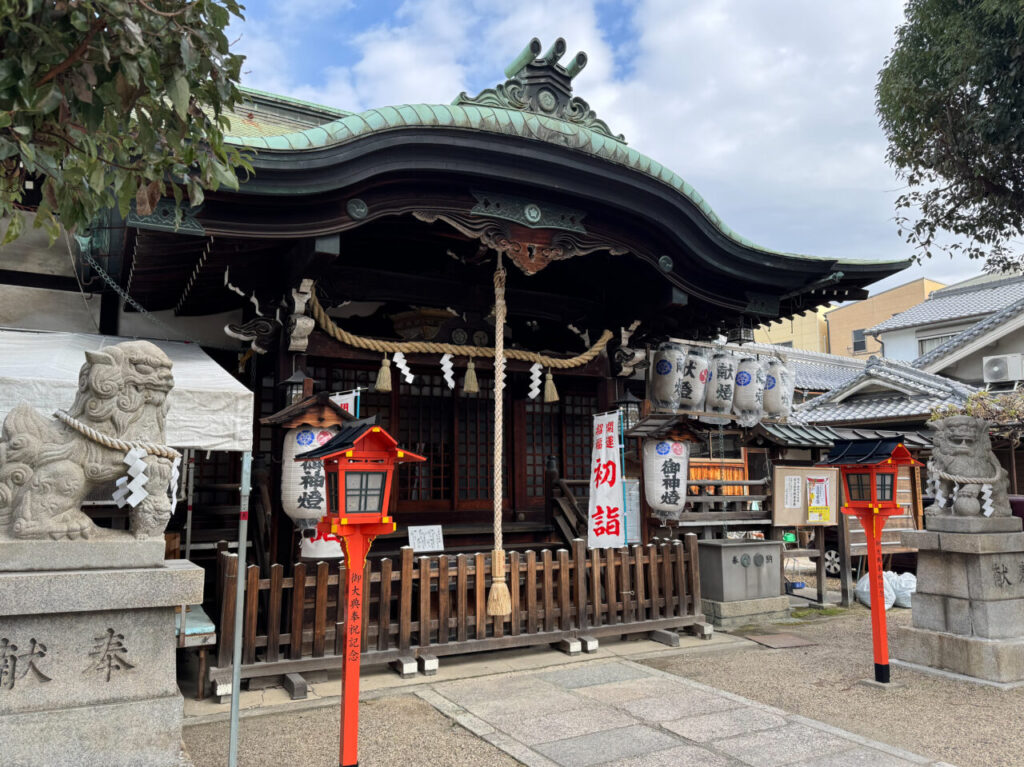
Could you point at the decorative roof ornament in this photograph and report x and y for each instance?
(541, 85)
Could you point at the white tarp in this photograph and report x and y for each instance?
(209, 409)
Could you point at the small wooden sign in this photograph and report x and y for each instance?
(426, 538)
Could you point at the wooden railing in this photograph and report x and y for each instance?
(436, 604)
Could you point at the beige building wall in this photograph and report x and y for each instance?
(843, 321)
(806, 331)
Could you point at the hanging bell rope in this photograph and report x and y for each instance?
(499, 601)
(431, 347)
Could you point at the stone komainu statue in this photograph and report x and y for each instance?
(964, 474)
(48, 466)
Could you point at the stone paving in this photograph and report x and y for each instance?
(618, 713)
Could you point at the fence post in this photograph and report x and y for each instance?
(691, 552)
(229, 578)
(579, 563)
(405, 600)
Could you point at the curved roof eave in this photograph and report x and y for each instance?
(508, 122)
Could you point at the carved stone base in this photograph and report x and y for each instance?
(102, 551)
(968, 612)
(87, 666)
(950, 523)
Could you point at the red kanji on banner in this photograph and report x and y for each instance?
(606, 521)
(604, 473)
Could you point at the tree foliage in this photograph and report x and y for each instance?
(1004, 412)
(107, 101)
(951, 102)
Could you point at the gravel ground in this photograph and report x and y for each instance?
(393, 730)
(964, 724)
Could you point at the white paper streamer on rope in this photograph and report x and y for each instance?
(449, 370)
(536, 374)
(172, 487)
(403, 366)
(986, 500)
(131, 490)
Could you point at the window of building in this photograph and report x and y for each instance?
(860, 344)
(925, 345)
(717, 446)
(787, 344)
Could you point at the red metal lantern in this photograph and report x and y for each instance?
(359, 462)
(869, 469)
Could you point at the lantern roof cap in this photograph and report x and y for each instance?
(350, 434)
(870, 452)
(296, 409)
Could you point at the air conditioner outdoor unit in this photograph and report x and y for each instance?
(1002, 367)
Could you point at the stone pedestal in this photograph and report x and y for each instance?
(87, 667)
(968, 612)
(745, 612)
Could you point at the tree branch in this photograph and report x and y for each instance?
(76, 54)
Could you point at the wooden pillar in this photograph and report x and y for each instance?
(845, 572)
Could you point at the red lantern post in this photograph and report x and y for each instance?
(359, 463)
(869, 468)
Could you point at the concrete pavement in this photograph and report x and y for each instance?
(540, 708)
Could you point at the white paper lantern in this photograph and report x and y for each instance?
(666, 463)
(666, 370)
(720, 388)
(692, 381)
(779, 382)
(304, 485)
(320, 549)
(748, 397)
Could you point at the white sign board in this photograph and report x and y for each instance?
(794, 493)
(426, 538)
(606, 524)
(632, 510)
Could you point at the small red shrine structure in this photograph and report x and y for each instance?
(869, 469)
(359, 462)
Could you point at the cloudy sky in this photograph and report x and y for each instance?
(767, 108)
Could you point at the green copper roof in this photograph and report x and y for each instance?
(492, 120)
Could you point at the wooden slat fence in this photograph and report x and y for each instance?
(436, 604)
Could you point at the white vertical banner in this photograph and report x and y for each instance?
(606, 526)
(347, 401)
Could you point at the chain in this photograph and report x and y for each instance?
(127, 298)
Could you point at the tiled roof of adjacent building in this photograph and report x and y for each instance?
(815, 371)
(976, 298)
(977, 330)
(895, 391)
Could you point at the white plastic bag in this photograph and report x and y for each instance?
(863, 589)
(906, 585)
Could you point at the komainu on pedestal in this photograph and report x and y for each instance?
(112, 434)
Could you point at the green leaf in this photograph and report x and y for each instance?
(178, 91)
(14, 228)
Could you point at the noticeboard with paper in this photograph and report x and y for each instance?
(805, 496)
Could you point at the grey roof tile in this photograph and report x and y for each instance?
(910, 393)
(815, 371)
(977, 330)
(954, 303)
